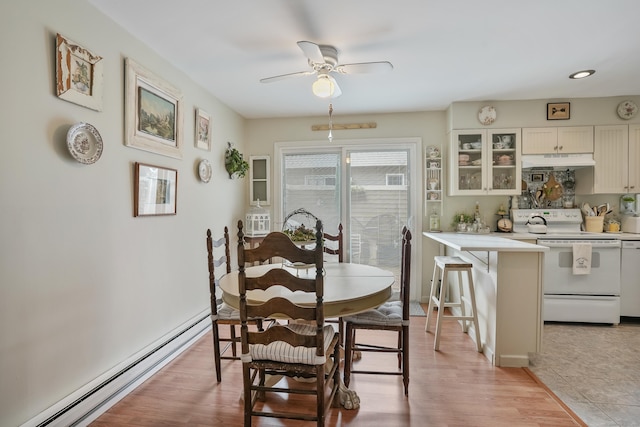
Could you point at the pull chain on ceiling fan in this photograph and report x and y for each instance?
(323, 60)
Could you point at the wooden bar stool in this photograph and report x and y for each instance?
(439, 292)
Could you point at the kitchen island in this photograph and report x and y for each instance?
(507, 276)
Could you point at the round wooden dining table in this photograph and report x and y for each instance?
(348, 289)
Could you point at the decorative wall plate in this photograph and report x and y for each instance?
(84, 143)
(204, 170)
(487, 115)
(627, 109)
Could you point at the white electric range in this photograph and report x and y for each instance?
(569, 297)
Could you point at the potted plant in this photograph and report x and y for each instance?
(235, 164)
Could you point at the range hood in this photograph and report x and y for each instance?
(557, 161)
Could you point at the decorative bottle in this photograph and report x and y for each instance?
(434, 220)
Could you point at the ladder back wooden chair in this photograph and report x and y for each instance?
(391, 316)
(218, 257)
(303, 348)
(336, 248)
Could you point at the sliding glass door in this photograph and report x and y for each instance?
(365, 187)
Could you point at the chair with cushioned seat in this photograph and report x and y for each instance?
(222, 314)
(390, 316)
(305, 348)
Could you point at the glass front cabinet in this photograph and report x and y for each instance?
(485, 161)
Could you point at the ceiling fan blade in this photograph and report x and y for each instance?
(336, 88)
(312, 51)
(365, 67)
(285, 76)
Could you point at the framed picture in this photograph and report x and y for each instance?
(537, 177)
(558, 111)
(155, 190)
(153, 112)
(78, 74)
(203, 130)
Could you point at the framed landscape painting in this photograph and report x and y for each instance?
(153, 112)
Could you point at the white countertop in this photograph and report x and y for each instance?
(483, 242)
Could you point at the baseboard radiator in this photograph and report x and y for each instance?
(91, 401)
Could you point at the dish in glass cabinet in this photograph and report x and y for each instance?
(433, 151)
(487, 115)
(627, 109)
(204, 170)
(84, 143)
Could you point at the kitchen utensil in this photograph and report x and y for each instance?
(602, 210)
(536, 227)
(586, 209)
(552, 189)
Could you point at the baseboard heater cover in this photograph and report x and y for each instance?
(80, 411)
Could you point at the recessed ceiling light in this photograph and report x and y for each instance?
(582, 74)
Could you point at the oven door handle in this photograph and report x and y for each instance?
(611, 244)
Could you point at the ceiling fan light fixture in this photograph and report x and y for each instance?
(323, 87)
(582, 74)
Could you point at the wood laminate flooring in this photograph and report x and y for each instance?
(456, 386)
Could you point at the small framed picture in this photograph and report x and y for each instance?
(155, 190)
(203, 130)
(78, 74)
(558, 111)
(153, 112)
(537, 177)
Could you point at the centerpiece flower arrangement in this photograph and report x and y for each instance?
(300, 234)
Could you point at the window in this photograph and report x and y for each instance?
(395, 179)
(320, 180)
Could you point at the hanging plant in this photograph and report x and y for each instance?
(235, 164)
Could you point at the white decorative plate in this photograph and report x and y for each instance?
(627, 109)
(487, 115)
(204, 170)
(84, 143)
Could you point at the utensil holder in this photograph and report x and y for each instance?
(594, 224)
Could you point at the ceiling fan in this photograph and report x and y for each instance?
(323, 60)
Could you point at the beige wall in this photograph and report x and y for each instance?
(83, 284)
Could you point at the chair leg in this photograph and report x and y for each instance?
(432, 295)
(443, 298)
(463, 311)
(232, 330)
(320, 389)
(405, 359)
(216, 351)
(472, 297)
(248, 401)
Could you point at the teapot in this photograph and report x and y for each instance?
(505, 139)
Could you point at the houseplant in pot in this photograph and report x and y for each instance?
(235, 163)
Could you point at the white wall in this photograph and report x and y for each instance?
(83, 284)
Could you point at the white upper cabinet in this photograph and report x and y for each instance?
(259, 177)
(485, 162)
(557, 140)
(617, 156)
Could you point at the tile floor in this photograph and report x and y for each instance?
(593, 369)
